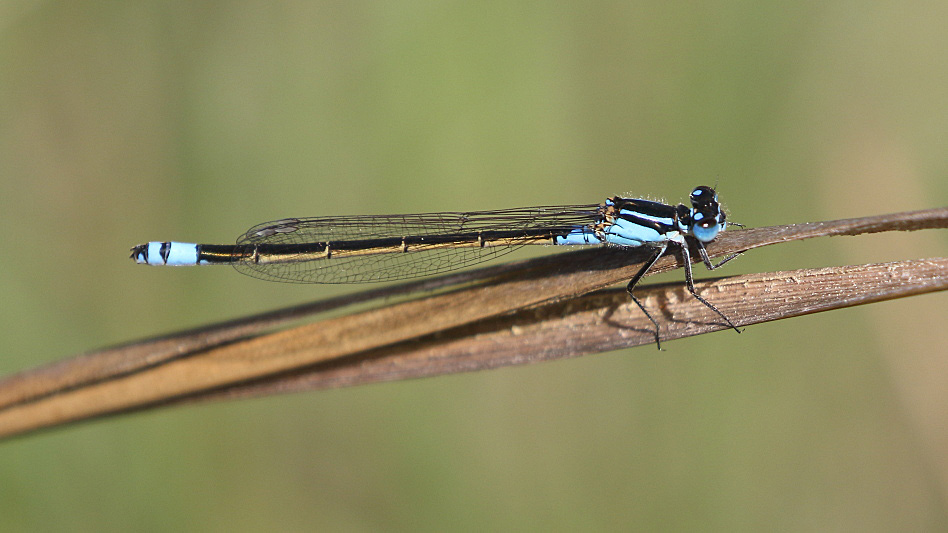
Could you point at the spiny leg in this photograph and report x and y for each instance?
(635, 279)
(707, 260)
(686, 255)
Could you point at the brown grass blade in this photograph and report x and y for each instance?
(607, 320)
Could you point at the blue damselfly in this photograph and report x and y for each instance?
(375, 248)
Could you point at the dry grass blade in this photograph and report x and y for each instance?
(607, 320)
(531, 310)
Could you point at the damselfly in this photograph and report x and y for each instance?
(361, 249)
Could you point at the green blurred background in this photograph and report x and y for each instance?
(122, 122)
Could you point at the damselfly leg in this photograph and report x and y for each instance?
(689, 279)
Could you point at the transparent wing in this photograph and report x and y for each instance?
(420, 261)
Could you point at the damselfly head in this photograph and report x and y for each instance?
(707, 217)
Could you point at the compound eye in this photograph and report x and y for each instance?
(707, 223)
(706, 233)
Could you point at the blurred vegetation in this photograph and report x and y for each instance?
(126, 122)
